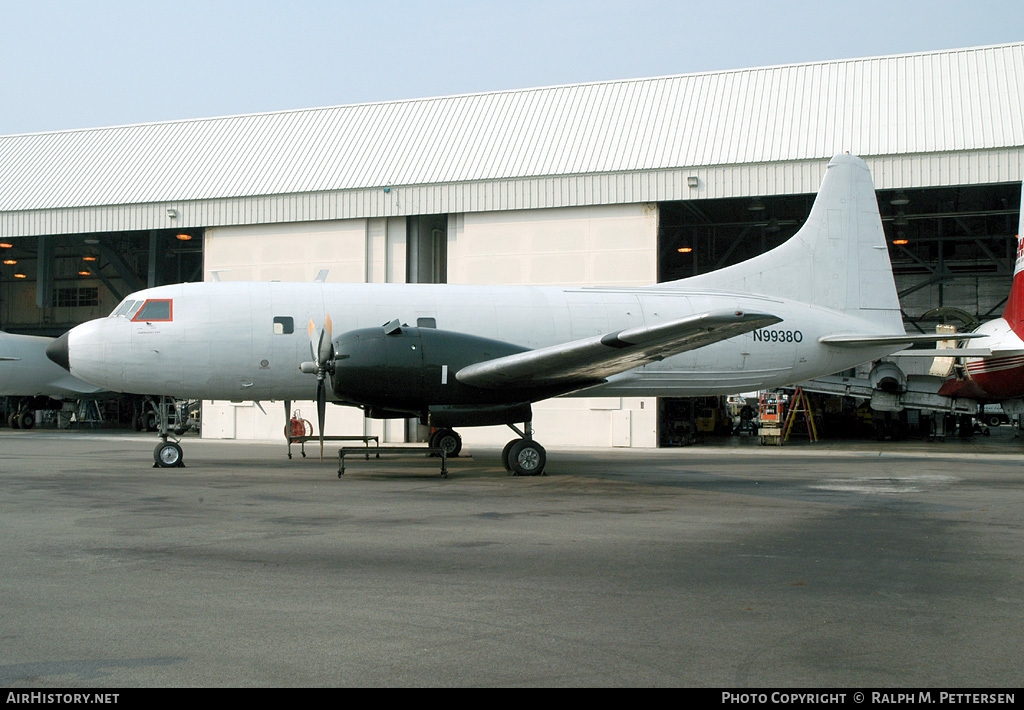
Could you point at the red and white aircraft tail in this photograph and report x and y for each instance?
(1013, 314)
(999, 375)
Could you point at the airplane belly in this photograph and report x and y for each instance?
(1001, 375)
(998, 377)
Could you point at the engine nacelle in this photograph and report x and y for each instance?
(888, 377)
(412, 370)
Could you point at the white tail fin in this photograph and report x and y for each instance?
(838, 259)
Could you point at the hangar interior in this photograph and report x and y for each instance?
(51, 283)
(950, 247)
(612, 183)
(952, 251)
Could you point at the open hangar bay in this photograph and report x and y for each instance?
(824, 566)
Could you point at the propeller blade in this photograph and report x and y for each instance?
(321, 346)
(314, 343)
(321, 412)
(326, 349)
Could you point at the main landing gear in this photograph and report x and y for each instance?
(524, 456)
(447, 440)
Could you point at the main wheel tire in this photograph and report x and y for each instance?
(505, 454)
(26, 419)
(527, 458)
(448, 440)
(167, 454)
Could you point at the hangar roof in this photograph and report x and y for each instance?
(924, 103)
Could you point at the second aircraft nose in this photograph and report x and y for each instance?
(58, 352)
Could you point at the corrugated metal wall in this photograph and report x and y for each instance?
(923, 119)
(525, 193)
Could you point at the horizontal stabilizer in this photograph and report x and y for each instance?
(871, 341)
(953, 352)
(590, 360)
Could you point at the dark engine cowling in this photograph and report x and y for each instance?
(412, 370)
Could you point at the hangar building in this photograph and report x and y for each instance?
(608, 183)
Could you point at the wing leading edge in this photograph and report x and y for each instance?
(590, 360)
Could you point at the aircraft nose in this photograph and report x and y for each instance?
(58, 352)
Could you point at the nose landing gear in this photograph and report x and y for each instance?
(167, 454)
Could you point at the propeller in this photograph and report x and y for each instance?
(321, 347)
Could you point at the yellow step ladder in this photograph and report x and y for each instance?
(800, 405)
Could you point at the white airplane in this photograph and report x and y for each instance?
(457, 356)
(27, 375)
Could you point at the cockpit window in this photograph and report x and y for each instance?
(125, 306)
(154, 310)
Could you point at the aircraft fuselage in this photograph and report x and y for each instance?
(245, 340)
(996, 378)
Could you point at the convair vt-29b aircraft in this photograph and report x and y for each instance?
(822, 302)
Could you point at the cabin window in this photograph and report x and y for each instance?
(155, 310)
(283, 325)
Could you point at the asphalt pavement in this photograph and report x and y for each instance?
(839, 564)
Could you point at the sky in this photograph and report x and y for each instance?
(83, 64)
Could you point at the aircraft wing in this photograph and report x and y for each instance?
(590, 360)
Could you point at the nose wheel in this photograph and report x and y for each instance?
(167, 454)
(524, 456)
